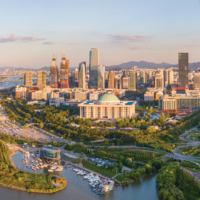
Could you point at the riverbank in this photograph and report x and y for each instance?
(11, 177)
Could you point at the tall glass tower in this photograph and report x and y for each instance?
(81, 78)
(133, 80)
(93, 67)
(183, 69)
(101, 77)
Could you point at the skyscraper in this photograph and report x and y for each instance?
(133, 80)
(159, 81)
(54, 74)
(125, 82)
(93, 68)
(81, 78)
(197, 80)
(76, 71)
(101, 76)
(166, 77)
(183, 69)
(170, 76)
(142, 76)
(41, 78)
(64, 73)
(28, 80)
(111, 80)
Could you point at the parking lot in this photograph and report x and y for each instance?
(10, 128)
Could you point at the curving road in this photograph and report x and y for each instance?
(190, 143)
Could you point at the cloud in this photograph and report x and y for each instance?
(129, 38)
(48, 43)
(16, 38)
(140, 48)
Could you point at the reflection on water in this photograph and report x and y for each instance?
(78, 188)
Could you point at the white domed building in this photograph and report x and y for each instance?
(107, 107)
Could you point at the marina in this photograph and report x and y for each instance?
(78, 188)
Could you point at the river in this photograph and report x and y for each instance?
(78, 188)
(8, 84)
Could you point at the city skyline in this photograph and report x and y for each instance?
(154, 32)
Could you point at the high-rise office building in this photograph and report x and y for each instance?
(76, 71)
(93, 68)
(183, 69)
(64, 73)
(41, 78)
(166, 77)
(81, 78)
(118, 82)
(142, 76)
(125, 82)
(28, 79)
(159, 81)
(111, 80)
(170, 76)
(197, 80)
(133, 80)
(54, 74)
(100, 76)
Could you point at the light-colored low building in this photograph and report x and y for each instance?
(149, 96)
(82, 95)
(39, 95)
(94, 96)
(107, 107)
(56, 101)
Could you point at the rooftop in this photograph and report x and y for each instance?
(108, 97)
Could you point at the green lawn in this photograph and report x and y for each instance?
(100, 170)
(75, 161)
(190, 166)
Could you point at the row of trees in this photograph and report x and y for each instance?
(175, 184)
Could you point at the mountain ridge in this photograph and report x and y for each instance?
(127, 65)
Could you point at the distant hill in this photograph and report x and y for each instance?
(128, 65)
(192, 66)
(141, 64)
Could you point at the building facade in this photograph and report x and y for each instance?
(82, 71)
(28, 79)
(107, 107)
(111, 80)
(101, 76)
(197, 81)
(183, 69)
(54, 74)
(133, 80)
(142, 76)
(41, 79)
(64, 73)
(93, 67)
(159, 81)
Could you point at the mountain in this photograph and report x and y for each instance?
(192, 66)
(141, 64)
(128, 65)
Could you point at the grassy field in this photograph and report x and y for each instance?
(99, 170)
(75, 161)
(190, 166)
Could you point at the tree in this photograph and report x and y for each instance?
(41, 125)
(27, 138)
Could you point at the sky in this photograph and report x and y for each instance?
(122, 30)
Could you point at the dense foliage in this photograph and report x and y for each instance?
(176, 184)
